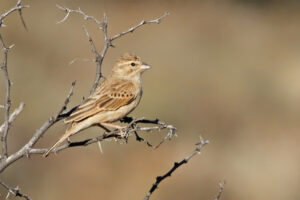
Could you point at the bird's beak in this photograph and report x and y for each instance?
(145, 66)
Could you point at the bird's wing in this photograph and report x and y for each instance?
(109, 96)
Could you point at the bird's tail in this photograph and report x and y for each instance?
(68, 133)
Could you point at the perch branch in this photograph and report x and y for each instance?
(197, 151)
(14, 191)
(102, 25)
(129, 130)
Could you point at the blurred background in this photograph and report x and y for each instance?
(226, 70)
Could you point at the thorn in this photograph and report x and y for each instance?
(73, 61)
(11, 46)
(8, 194)
(100, 147)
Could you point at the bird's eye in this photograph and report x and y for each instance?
(132, 64)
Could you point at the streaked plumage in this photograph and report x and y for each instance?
(116, 97)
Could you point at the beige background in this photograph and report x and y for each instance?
(228, 70)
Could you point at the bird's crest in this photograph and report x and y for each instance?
(129, 57)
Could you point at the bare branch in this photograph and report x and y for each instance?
(162, 125)
(14, 191)
(79, 11)
(67, 100)
(25, 150)
(93, 47)
(21, 15)
(13, 116)
(143, 22)
(99, 58)
(221, 189)
(7, 105)
(102, 25)
(18, 8)
(140, 139)
(197, 151)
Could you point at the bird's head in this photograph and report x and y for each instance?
(129, 66)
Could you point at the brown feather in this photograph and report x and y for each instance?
(107, 97)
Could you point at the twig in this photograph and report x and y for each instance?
(197, 151)
(143, 22)
(7, 97)
(13, 116)
(79, 11)
(25, 150)
(102, 25)
(140, 139)
(92, 44)
(21, 15)
(14, 191)
(18, 7)
(221, 189)
(161, 125)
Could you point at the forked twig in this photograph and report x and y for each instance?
(159, 179)
(14, 191)
(18, 7)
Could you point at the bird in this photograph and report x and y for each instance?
(117, 96)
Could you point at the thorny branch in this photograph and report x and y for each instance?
(18, 7)
(143, 22)
(7, 97)
(3, 66)
(102, 25)
(197, 151)
(14, 191)
(79, 11)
